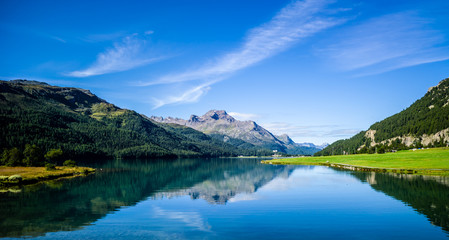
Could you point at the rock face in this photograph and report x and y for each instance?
(410, 140)
(220, 122)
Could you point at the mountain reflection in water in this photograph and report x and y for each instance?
(72, 204)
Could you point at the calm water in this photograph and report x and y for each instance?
(228, 199)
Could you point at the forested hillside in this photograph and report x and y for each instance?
(428, 115)
(424, 124)
(83, 125)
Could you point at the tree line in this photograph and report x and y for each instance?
(33, 156)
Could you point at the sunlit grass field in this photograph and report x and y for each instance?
(421, 159)
(37, 174)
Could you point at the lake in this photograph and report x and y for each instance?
(228, 199)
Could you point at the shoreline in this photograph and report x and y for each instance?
(19, 176)
(422, 162)
(416, 171)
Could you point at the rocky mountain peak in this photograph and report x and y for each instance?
(285, 139)
(442, 82)
(194, 118)
(217, 115)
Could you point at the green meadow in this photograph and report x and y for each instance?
(421, 161)
(10, 176)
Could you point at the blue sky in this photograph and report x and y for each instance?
(317, 70)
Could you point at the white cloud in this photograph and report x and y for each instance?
(244, 116)
(125, 55)
(191, 219)
(149, 32)
(189, 96)
(386, 43)
(243, 197)
(296, 21)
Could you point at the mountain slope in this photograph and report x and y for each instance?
(424, 123)
(246, 134)
(84, 125)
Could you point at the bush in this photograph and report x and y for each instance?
(15, 178)
(33, 156)
(50, 166)
(69, 163)
(53, 155)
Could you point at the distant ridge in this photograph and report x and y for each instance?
(220, 122)
(28, 82)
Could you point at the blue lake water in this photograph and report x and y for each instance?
(228, 199)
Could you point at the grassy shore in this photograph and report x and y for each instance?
(11, 176)
(433, 161)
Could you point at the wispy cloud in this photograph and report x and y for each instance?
(125, 55)
(244, 116)
(58, 39)
(386, 43)
(190, 96)
(296, 21)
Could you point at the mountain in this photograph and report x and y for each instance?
(220, 125)
(84, 125)
(424, 124)
(299, 148)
